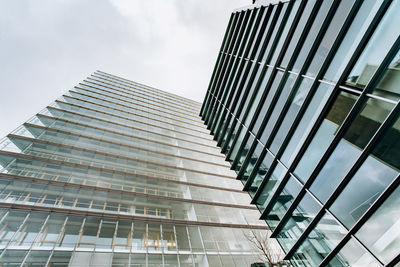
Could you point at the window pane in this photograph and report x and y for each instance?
(352, 39)
(265, 33)
(381, 232)
(260, 174)
(329, 37)
(71, 234)
(284, 93)
(377, 48)
(276, 27)
(304, 213)
(256, 102)
(388, 86)
(325, 236)
(284, 33)
(290, 115)
(349, 148)
(267, 102)
(299, 29)
(370, 180)
(307, 121)
(283, 202)
(323, 11)
(353, 254)
(252, 162)
(324, 135)
(269, 188)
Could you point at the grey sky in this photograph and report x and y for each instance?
(48, 46)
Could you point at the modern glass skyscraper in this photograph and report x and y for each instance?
(116, 173)
(304, 102)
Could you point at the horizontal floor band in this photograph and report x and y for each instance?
(5, 205)
(13, 154)
(119, 144)
(97, 188)
(124, 134)
(166, 111)
(128, 126)
(201, 126)
(147, 88)
(133, 120)
(117, 156)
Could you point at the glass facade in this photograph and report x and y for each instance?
(311, 125)
(116, 173)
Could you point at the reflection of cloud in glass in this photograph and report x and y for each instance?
(381, 41)
(381, 232)
(338, 164)
(368, 182)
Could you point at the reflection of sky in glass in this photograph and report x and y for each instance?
(369, 181)
(317, 147)
(353, 254)
(381, 233)
(381, 41)
(339, 163)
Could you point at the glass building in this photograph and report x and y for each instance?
(304, 103)
(116, 173)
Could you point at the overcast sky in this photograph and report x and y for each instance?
(48, 46)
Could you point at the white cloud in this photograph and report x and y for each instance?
(47, 47)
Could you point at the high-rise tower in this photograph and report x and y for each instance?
(304, 102)
(116, 173)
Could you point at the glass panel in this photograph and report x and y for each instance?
(106, 235)
(169, 242)
(260, 173)
(154, 260)
(50, 234)
(312, 34)
(258, 31)
(381, 232)
(260, 50)
(283, 202)
(182, 238)
(27, 234)
(377, 48)
(324, 135)
(276, 27)
(9, 226)
(242, 154)
(88, 236)
(388, 86)
(304, 213)
(296, 35)
(123, 236)
(256, 101)
(70, 236)
(329, 37)
(356, 31)
(267, 102)
(283, 97)
(252, 162)
(153, 237)
(306, 123)
(349, 148)
(195, 238)
(269, 188)
(374, 175)
(139, 236)
(295, 103)
(138, 260)
(354, 255)
(284, 33)
(325, 236)
(238, 143)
